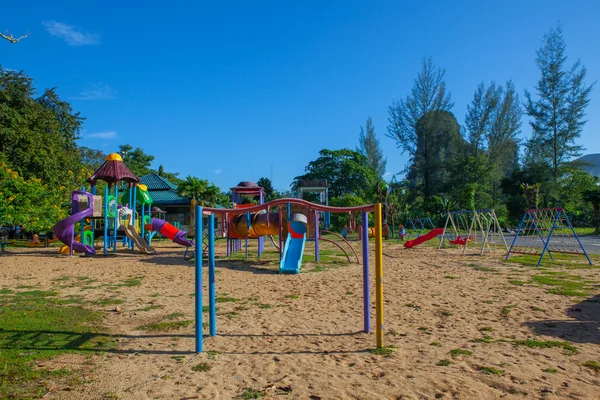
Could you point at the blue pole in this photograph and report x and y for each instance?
(105, 238)
(548, 240)
(516, 236)
(366, 293)
(212, 291)
(142, 221)
(116, 217)
(577, 237)
(198, 283)
(288, 211)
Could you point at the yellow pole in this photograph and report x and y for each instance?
(378, 277)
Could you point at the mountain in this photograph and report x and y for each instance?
(591, 163)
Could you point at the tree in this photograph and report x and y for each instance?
(438, 142)
(29, 202)
(136, 160)
(199, 190)
(493, 123)
(558, 112)
(267, 185)
(172, 177)
(346, 172)
(428, 94)
(38, 134)
(369, 146)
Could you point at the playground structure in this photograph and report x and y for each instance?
(103, 213)
(416, 226)
(477, 226)
(297, 231)
(546, 230)
(244, 225)
(409, 244)
(320, 187)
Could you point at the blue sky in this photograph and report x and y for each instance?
(236, 90)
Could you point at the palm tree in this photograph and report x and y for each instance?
(195, 189)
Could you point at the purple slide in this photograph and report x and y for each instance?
(172, 232)
(65, 229)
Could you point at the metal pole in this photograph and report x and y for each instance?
(198, 283)
(212, 291)
(316, 236)
(378, 276)
(366, 291)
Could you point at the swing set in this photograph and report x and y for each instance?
(417, 226)
(546, 230)
(477, 226)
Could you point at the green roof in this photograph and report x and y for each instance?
(155, 182)
(162, 191)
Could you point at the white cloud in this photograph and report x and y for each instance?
(96, 92)
(103, 135)
(387, 174)
(218, 171)
(72, 35)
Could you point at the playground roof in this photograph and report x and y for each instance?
(112, 171)
(162, 191)
(247, 188)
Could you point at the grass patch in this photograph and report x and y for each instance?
(202, 367)
(506, 310)
(292, 296)
(249, 393)
(226, 299)
(212, 355)
(5, 291)
(593, 365)
(538, 344)
(491, 370)
(566, 285)
(178, 359)
(450, 277)
(460, 352)
(436, 344)
(108, 302)
(484, 339)
(444, 363)
(550, 371)
(534, 308)
(164, 326)
(382, 351)
(37, 326)
(265, 306)
(486, 329)
(231, 314)
(175, 315)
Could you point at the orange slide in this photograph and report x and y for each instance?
(423, 238)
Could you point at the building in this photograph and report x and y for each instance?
(164, 196)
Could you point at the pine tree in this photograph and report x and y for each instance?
(558, 112)
(370, 147)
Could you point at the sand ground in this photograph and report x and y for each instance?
(299, 336)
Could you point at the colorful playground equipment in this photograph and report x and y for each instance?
(409, 244)
(294, 244)
(472, 226)
(105, 214)
(298, 228)
(546, 230)
(417, 225)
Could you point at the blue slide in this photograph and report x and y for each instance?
(294, 245)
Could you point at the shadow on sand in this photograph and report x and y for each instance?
(584, 329)
(85, 342)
